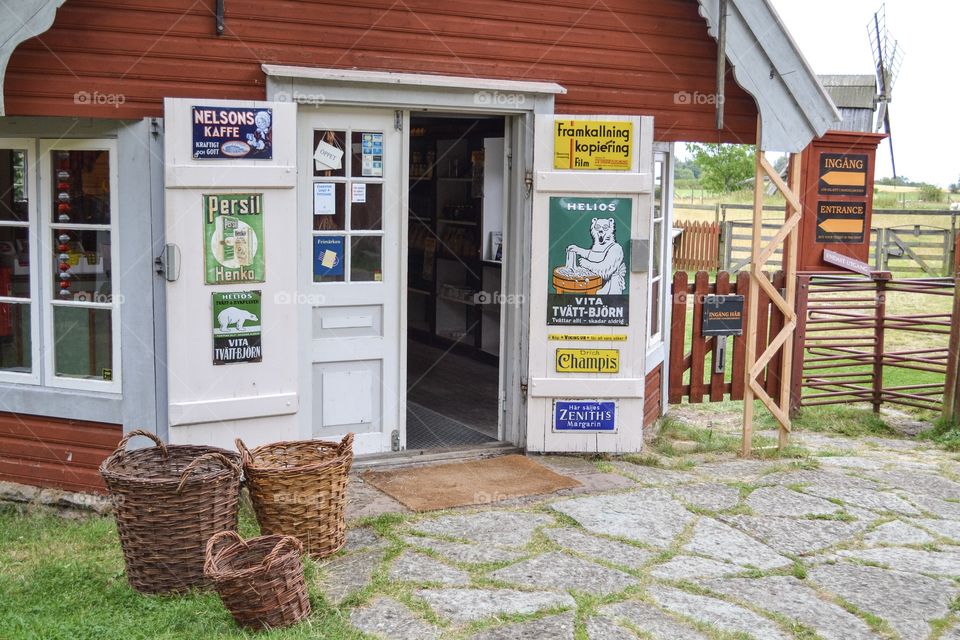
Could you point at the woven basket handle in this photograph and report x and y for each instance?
(246, 458)
(122, 447)
(346, 444)
(286, 541)
(212, 543)
(213, 455)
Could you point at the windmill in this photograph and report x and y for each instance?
(887, 58)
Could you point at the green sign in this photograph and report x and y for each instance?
(233, 237)
(236, 327)
(589, 280)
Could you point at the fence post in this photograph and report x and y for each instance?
(678, 330)
(880, 313)
(951, 392)
(727, 244)
(799, 343)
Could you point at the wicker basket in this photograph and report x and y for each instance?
(259, 580)
(299, 489)
(168, 502)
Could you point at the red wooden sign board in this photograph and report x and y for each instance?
(836, 180)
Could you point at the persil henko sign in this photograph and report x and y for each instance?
(593, 145)
(585, 415)
(232, 132)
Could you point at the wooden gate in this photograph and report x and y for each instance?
(914, 249)
(693, 374)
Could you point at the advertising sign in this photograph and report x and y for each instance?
(589, 279)
(232, 132)
(328, 258)
(722, 316)
(593, 145)
(371, 150)
(843, 174)
(236, 327)
(588, 361)
(585, 415)
(587, 337)
(841, 222)
(233, 237)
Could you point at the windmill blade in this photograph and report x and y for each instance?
(886, 126)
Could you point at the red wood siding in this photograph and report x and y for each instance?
(618, 56)
(50, 452)
(653, 397)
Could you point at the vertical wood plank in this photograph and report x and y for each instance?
(717, 379)
(698, 344)
(755, 272)
(799, 343)
(740, 342)
(678, 327)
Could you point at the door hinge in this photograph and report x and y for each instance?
(509, 159)
(395, 440)
(398, 120)
(528, 181)
(523, 388)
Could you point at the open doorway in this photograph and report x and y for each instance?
(455, 274)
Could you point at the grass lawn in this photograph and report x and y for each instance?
(64, 579)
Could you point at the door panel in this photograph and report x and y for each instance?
(350, 198)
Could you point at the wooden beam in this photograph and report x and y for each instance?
(790, 287)
(752, 297)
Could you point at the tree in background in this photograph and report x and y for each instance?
(724, 167)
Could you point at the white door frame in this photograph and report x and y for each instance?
(518, 102)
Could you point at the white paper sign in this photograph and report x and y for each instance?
(324, 202)
(358, 192)
(327, 157)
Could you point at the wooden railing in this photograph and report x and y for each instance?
(698, 247)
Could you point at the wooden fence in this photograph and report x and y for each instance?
(691, 376)
(698, 246)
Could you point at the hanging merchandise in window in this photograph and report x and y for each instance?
(233, 237)
(590, 270)
(372, 152)
(236, 327)
(230, 132)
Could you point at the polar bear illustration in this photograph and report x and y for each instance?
(233, 315)
(605, 257)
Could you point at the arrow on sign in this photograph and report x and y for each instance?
(841, 225)
(845, 178)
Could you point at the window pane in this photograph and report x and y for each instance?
(367, 152)
(329, 147)
(365, 263)
(81, 187)
(82, 342)
(657, 247)
(328, 198)
(328, 259)
(81, 265)
(14, 262)
(13, 185)
(366, 206)
(15, 337)
(654, 307)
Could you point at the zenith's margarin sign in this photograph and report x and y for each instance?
(593, 145)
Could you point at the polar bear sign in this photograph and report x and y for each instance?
(236, 327)
(589, 263)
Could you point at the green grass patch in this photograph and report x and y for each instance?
(847, 421)
(945, 433)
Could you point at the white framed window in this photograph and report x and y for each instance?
(77, 229)
(19, 269)
(660, 235)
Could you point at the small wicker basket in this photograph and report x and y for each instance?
(259, 580)
(300, 489)
(168, 501)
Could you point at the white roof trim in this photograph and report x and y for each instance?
(794, 107)
(21, 21)
(411, 79)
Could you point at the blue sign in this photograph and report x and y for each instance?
(584, 415)
(232, 132)
(328, 258)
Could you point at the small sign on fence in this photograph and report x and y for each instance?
(722, 316)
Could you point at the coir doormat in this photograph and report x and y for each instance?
(460, 484)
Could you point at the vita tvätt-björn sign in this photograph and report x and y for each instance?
(593, 145)
(236, 327)
(233, 237)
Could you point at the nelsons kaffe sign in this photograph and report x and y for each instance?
(233, 237)
(232, 132)
(236, 327)
(589, 279)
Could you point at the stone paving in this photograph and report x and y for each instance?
(860, 541)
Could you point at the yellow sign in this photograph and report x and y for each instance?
(587, 337)
(588, 360)
(593, 145)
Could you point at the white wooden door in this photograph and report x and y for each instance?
(350, 195)
(588, 303)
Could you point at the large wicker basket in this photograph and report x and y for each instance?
(300, 489)
(168, 502)
(259, 580)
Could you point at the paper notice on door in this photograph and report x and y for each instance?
(358, 193)
(327, 157)
(324, 202)
(329, 259)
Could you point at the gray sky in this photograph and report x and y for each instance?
(925, 112)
